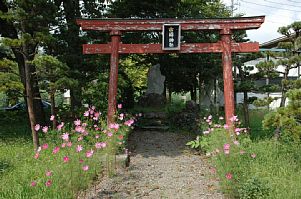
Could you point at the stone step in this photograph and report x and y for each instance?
(154, 128)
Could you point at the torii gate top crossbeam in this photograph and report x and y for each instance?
(106, 25)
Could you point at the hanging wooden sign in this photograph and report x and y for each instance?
(171, 37)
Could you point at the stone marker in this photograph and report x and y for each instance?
(155, 80)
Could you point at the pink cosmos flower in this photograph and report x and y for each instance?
(114, 126)
(85, 133)
(60, 126)
(79, 129)
(226, 146)
(45, 146)
(121, 116)
(63, 145)
(48, 183)
(79, 148)
(227, 149)
(97, 136)
(229, 176)
(253, 155)
(33, 183)
(80, 138)
(45, 129)
(91, 111)
(98, 145)
(37, 127)
(77, 122)
(226, 126)
(65, 136)
(51, 117)
(86, 113)
(81, 161)
(89, 153)
(212, 170)
(235, 142)
(234, 118)
(237, 131)
(56, 150)
(119, 106)
(110, 134)
(85, 168)
(120, 137)
(69, 144)
(48, 173)
(129, 122)
(103, 144)
(96, 116)
(36, 156)
(66, 159)
(227, 152)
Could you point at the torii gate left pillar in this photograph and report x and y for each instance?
(113, 82)
(227, 74)
(225, 46)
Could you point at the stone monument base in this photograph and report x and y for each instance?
(152, 100)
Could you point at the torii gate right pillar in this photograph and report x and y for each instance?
(227, 74)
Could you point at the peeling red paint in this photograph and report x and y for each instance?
(157, 48)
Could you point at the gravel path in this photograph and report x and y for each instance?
(161, 166)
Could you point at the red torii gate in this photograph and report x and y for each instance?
(225, 46)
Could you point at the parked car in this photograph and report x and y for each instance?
(22, 106)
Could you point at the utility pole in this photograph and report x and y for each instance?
(233, 4)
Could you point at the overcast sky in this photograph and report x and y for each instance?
(278, 13)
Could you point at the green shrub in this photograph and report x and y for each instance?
(287, 120)
(253, 188)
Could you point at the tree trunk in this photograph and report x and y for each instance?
(193, 93)
(53, 112)
(169, 95)
(283, 89)
(200, 91)
(30, 103)
(246, 110)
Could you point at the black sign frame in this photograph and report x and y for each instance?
(171, 37)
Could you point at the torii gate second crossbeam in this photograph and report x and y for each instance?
(225, 46)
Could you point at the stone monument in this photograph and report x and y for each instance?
(155, 88)
(155, 80)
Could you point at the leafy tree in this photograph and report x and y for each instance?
(10, 80)
(52, 76)
(25, 28)
(69, 40)
(289, 59)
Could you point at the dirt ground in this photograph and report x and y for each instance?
(161, 166)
